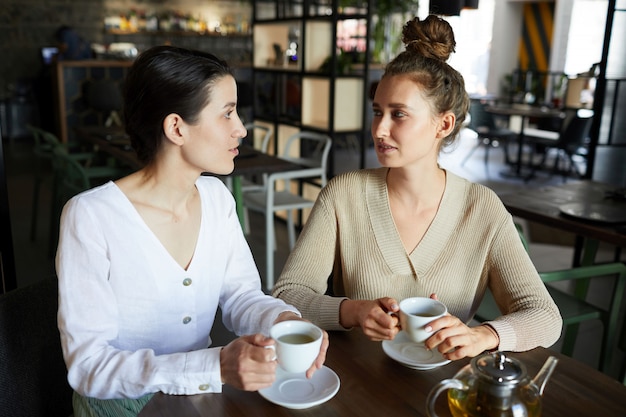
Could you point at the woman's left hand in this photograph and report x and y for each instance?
(455, 340)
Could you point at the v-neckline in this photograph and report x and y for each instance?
(156, 239)
(386, 234)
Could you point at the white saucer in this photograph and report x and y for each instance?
(297, 392)
(411, 354)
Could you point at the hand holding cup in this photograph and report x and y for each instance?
(416, 313)
(297, 344)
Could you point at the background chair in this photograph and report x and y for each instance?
(43, 158)
(70, 178)
(33, 376)
(48, 148)
(489, 134)
(265, 133)
(44, 144)
(71, 175)
(259, 138)
(313, 149)
(574, 308)
(571, 141)
(255, 132)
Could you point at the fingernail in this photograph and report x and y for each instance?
(428, 329)
(394, 306)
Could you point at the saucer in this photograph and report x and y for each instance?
(295, 391)
(411, 354)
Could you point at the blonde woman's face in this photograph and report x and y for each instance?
(404, 129)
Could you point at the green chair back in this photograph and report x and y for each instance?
(574, 308)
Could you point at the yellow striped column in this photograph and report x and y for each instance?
(536, 39)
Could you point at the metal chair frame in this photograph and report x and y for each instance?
(571, 142)
(271, 199)
(489, 135)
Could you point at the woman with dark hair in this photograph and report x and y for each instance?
(145, 261)
(412, 228)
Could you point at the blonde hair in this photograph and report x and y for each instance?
(428, 46)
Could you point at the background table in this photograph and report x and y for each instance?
(250, 161)
(372, 384)
(541, 205)
(524, 112)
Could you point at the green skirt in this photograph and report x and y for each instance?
(93, 407)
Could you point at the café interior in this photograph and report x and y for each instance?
(547, 104)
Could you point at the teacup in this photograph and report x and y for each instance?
(416, 313)
(297, 344)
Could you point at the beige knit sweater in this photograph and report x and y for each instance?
(471, 244)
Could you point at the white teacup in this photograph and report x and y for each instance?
(416, 313)
(297, 344)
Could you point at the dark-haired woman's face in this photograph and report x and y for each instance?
(404, 128)
(211, 143)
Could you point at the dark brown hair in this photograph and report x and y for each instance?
(429, 44)
(165, 80)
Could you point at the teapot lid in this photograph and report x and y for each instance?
(499, 369)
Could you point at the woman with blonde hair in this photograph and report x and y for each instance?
(412, 228)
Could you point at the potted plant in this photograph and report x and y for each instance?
(386, 34)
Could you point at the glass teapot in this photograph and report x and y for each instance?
(493, 385)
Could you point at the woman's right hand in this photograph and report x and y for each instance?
(377, 318)
(247, 364)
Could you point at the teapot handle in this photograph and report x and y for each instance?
(438, 389)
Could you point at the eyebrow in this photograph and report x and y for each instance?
(393, 105)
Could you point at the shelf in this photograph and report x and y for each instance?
(293, 9)
(347, 103)
(120, 32)
(311, 94)
(270, 42)
(318, 44)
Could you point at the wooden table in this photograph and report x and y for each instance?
(524, 112)
(110, 140)
(253, 162)
(250, 161)
(541, 205)
(372, 384)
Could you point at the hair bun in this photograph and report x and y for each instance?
(432, 37)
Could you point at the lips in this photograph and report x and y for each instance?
(382, 147)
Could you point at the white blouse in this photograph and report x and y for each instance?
(132, 320)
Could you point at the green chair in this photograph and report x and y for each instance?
(43, 156)
(70, 177)
(44, 144)
(575, 309)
